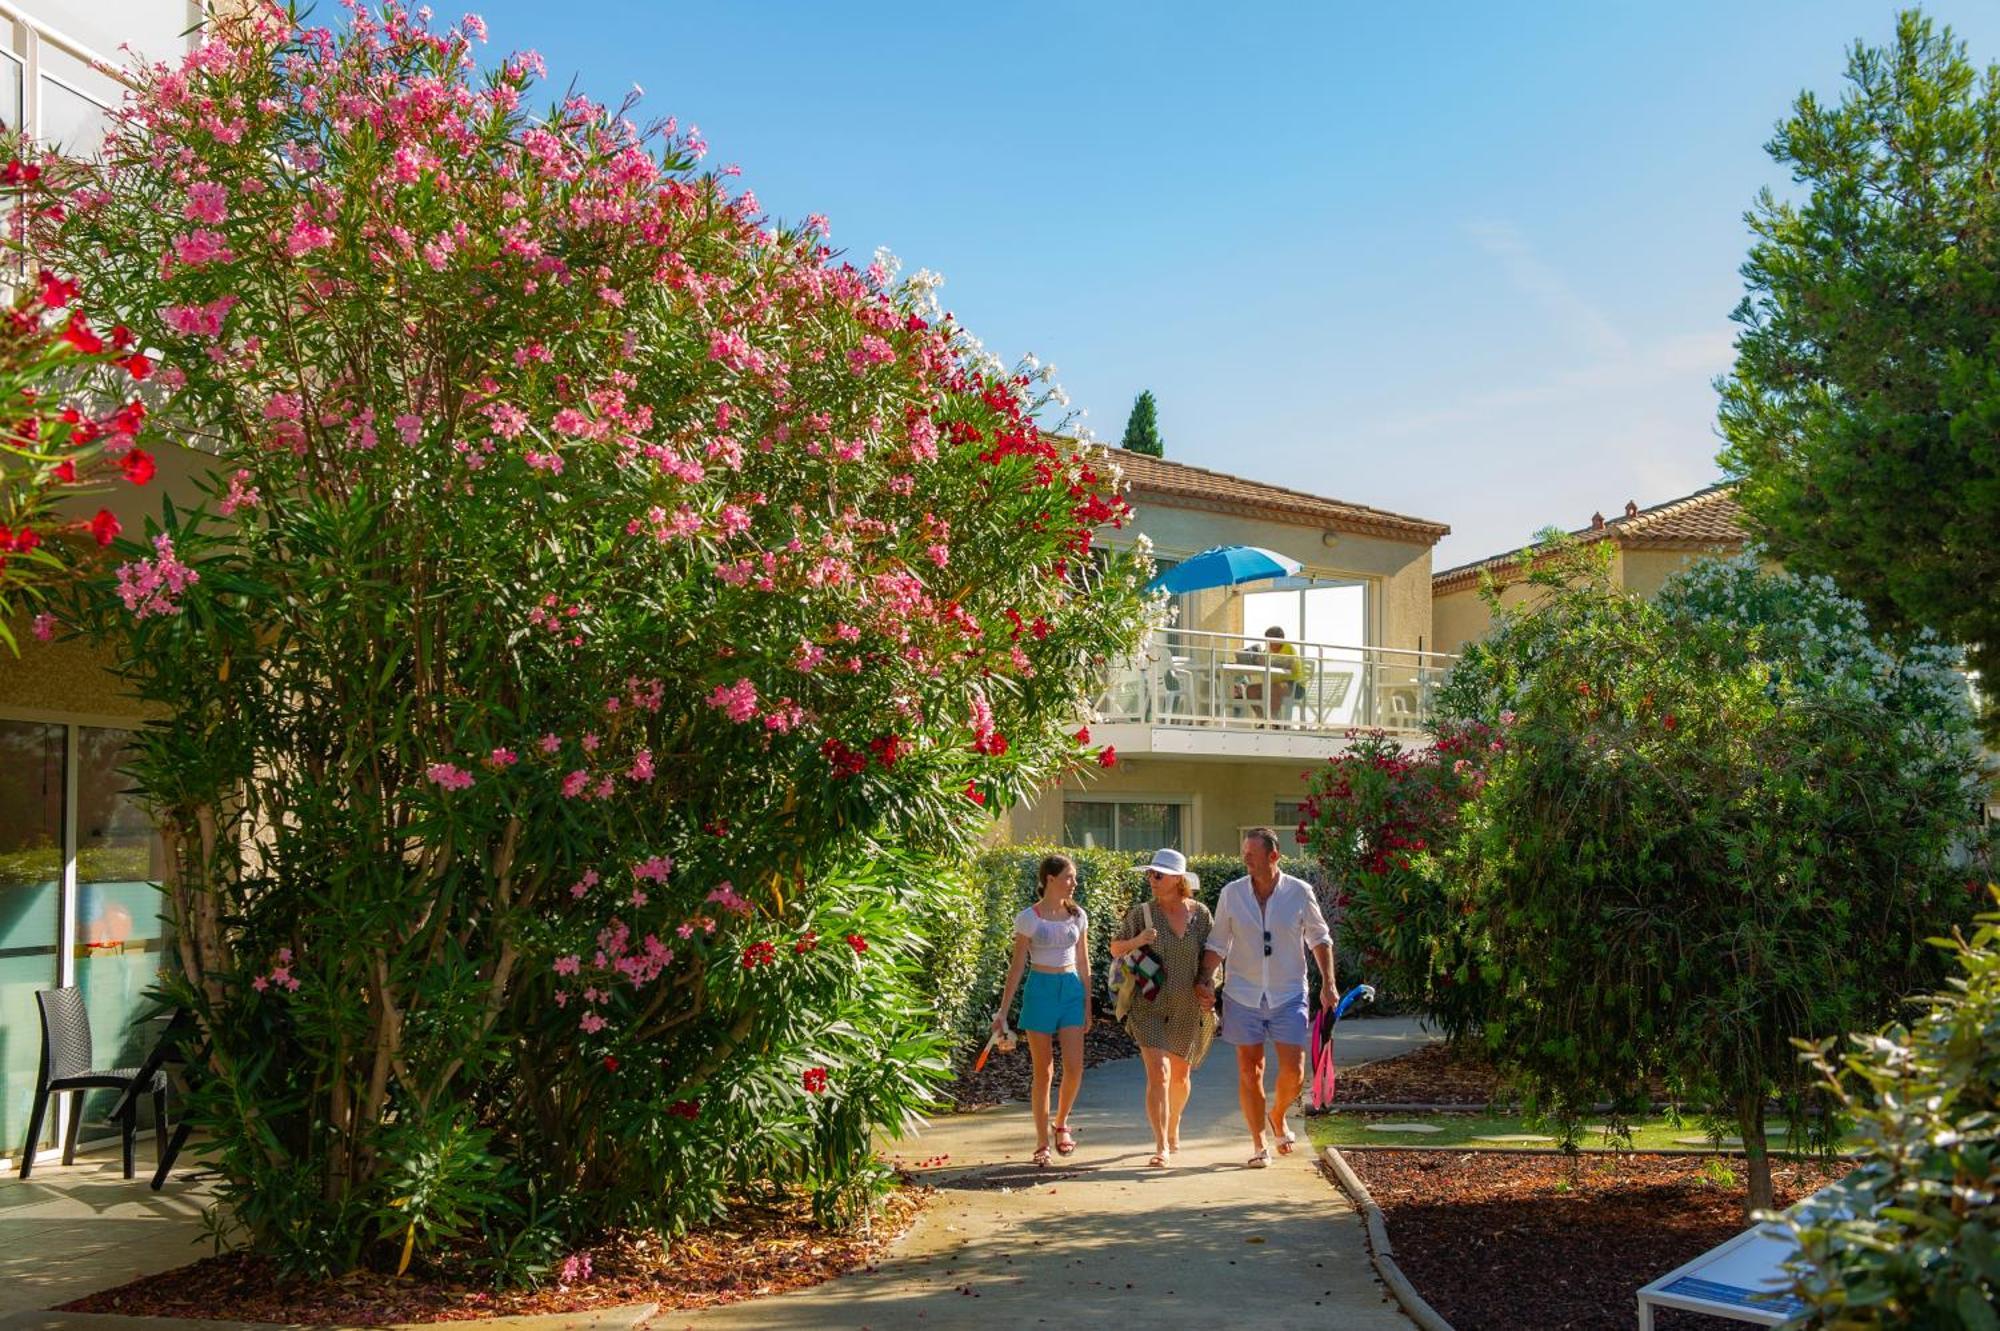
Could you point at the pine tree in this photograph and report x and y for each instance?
(1142, 427)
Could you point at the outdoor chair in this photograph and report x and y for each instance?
(66, 1060)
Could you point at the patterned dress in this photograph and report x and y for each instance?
(1170, 1020)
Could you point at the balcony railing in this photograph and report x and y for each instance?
(1183, 677)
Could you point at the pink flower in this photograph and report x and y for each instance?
(653, 870)
(150, 587)
(590, 743)
(592, 1023)
(573, 784)
(260, 984)
(448, 776)
(307, 237)
(584, 884)
(549, 743)
(241, 494)
(727, 897)
(200, 246)
(642, 766)
(569, 965)
(502, 757)
(411, 428)
(206, 202)
(44, 627)
(738, 700)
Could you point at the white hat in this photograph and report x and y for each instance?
(1166, 861)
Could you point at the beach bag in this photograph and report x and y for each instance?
(1138, 974)
(1325, 1076)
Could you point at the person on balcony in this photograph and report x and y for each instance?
(1286, 673)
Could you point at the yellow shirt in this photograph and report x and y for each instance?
(1294, 667)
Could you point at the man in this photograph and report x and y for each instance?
(1264, 924)
(1287, 675)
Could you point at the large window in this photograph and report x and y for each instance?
(1121, 824)
(78, 901)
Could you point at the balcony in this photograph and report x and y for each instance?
(1198, 694)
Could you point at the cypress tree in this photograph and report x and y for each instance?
(1142, 427)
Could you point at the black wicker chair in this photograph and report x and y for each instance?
(66, 1059)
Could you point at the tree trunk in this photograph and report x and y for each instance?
(1756, 1153)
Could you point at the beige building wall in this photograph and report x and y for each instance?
(1222, 798)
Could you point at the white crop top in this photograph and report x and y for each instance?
(1050, 942)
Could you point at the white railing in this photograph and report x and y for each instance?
(1182, 677)
(41, 103)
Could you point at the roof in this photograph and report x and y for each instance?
(1198, 487)
(1708, 519)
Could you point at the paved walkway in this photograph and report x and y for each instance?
(69, 1232)
(1100, 1237)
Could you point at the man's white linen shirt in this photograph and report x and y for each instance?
(1292, 916)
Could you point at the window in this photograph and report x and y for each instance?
(1285, 820)
(78, 905)
(1136, 825)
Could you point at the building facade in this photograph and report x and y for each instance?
(1214, 735)
(78, 858)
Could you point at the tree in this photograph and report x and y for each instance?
(1720, 821)
(601, 596)
(1142, 427)
(1915, 1242)
(1863, 415)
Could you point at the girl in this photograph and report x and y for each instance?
(1052, 940)
(1165, 1026)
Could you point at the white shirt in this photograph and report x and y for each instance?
(1051, 942)
(1293, 918)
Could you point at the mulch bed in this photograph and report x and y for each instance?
(1434, 1074)
(1545, 1243)
(759, 1249)
(1011, 1076)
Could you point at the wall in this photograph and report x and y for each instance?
(1460, 617)
(1226, 797)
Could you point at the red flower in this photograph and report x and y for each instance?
(759, 954)
(610, 1063)
(858, 943)
(807, 942)
(137, 466)
(1108, 758)
(1668, 721)
(887, 749)
(1083, 735)
(687, 1109)
(104, 527)
(138, 365)
(814, 1080)
(25, 539)
(129, 418)
(66, 472)
(974, 793)
(121, 336)
(56, 291)
(18, 172)
(77, 333)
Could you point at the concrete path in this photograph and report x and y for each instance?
(1101, 1239)
(65, 1233)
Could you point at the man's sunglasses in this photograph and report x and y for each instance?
(1267, 942)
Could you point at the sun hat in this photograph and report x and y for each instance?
(1167, 860)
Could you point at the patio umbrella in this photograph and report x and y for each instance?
(1224, 566)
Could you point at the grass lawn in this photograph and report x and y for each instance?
(1349, 1128)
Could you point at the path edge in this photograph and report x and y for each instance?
(1379, 1251)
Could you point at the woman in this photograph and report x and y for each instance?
(1052, 940)
(1175, 927)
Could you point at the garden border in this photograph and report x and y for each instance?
(1379, 1250)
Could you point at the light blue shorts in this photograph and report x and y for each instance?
(1052, 1001)
(1282, 1023)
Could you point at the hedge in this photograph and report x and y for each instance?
(971, 930)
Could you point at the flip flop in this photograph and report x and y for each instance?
(1261, 1160)
(1286, 1142)
(1065, 1141)
(1041, 1157)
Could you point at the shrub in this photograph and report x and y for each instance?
(69, 423)
(1719, 822)
(604, 603)
(1920, 1243)
(1382, 820)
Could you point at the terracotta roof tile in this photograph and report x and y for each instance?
(1198, 487)
(1708, 519)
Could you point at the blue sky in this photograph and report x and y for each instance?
(1473, 262)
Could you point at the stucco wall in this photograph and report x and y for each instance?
(73, 677)
(1225, 797)
(1461, 617)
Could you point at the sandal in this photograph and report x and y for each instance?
(1159, 1160)
(1261, 1160)
(1041, 1157)
(1285, 1144)
(1065, 1140)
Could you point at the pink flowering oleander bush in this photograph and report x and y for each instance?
(604, 604)
(70, 421)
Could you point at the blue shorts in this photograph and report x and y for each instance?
(1052, 1001)
(1283, 1022)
